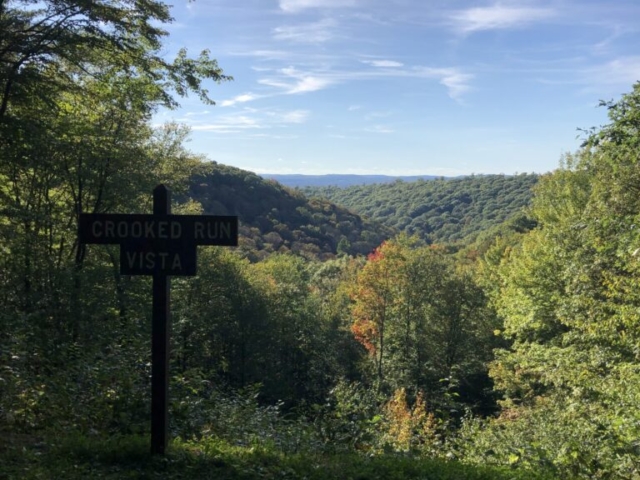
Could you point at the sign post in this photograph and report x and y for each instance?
(161, 245)
(160, 327)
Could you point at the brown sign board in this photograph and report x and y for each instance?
(105, 228)
(158, 244)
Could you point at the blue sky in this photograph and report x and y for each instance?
(404, 87)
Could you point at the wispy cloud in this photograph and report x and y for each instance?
(273, 136)
(496, 17)
(290, 56)
(195, 114)
(605, 78)
(374, 115)
(379, 129)
(245, 97)
(455, 80)
(622, 71)
(316, 32)
(295, 6)
(263, 54)
(250, 119)
(294, 116)
(457, 83)
(291, 80)
(296, 81)
(229, 124)
(383, 63)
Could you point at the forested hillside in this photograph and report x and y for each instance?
(439, 210)
(276, 219)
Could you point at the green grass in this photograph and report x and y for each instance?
(128, 458)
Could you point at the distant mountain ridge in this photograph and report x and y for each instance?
(322, 222)
(339, 180)
(439, 210)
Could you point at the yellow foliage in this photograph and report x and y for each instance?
(408, 428)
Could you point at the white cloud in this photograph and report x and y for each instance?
(229, 124)
(245, 97)
(310, 84)
(295, 116)
(379, 129)
(303, 82)
(271, 82)
(456, 81)
(383, 63)
(292, 80)
(374, 115)
(294, 6)
(195, 114)
(272, 136)
(623, 71)
(263, 55)
(251, 119)
(317, 32)
(497, 17)
(609, 78)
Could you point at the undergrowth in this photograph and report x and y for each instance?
(128, 457)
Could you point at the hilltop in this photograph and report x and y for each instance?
(274, 218)
(320, 222)
(439, 210)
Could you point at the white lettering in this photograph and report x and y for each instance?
(199, 230)
(148, 230)
(151, 261)
(136, 229)
(163, 256)
(226, 230)
(123, 229)
(108, 229)
(162, 229)
(212, 234)
(176, 230)
(96, 232)
(177, 265)
(131, 257)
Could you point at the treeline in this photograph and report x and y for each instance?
(440, 210)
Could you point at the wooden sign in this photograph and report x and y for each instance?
(152, 244)
(161, 245)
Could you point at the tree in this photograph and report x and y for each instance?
(79, 82)
(42, 45)
(297, 357)
(569, 296)
(422, 320)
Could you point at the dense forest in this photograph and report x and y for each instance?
(276, 219)
(325, 345)
(438, 210)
